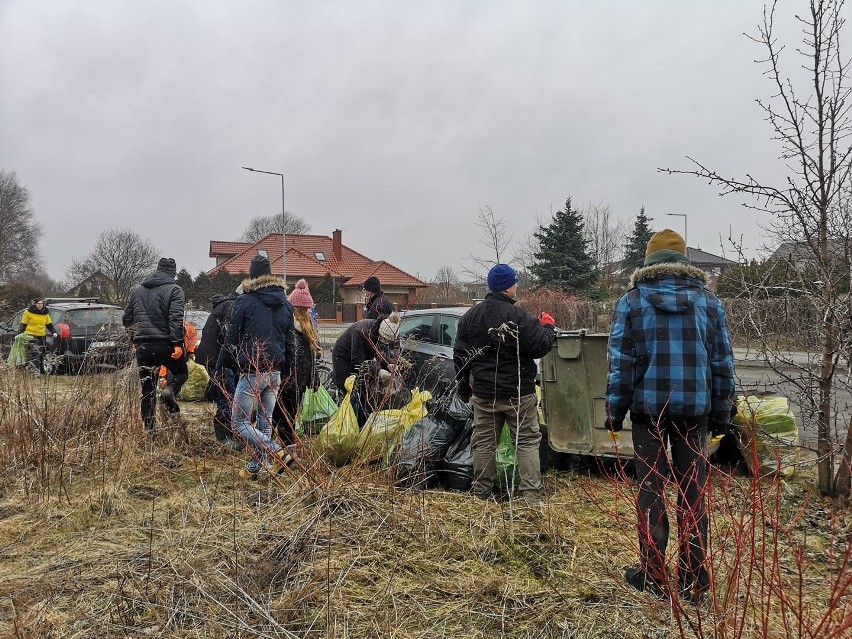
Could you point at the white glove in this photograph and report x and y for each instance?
(56, 334)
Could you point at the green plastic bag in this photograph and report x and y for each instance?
(18, 353)
(317, 408)
(337, 439)
(770, 436)
(506, 475)
(193, 388)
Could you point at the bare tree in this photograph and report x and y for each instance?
(810, 212)
(494, 237)
(448, 286)
(20, 233)
(260, 227)
(605, 237)
(122, 256)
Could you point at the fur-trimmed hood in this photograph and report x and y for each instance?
(670, 287)
(253, 284)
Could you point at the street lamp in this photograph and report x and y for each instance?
(683, 215)
(283, 221)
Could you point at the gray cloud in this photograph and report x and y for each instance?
(394, 121)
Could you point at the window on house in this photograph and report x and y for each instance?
(320, 256)
(263, 253)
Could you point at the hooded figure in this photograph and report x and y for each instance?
(670, 365)
(154, 319)
(260, 339)
(377, 304)
(221, 386)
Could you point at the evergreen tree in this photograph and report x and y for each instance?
(325, 291)
(184, 280)
(562, 259)
(634, 255)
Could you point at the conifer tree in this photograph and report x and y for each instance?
(562, 260)
(634, 255)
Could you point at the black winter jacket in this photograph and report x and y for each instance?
(213, 333)
(305, 358)
(155, 311)
(260, 333)
(493, 338)
(356, 345)
(378, 306)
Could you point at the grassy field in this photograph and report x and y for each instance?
(108, 532)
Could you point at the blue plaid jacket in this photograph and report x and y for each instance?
(669, 350)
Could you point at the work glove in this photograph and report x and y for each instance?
(614, 425)
(546, 319)
(719, 428)
(55, 335)
(177, 353)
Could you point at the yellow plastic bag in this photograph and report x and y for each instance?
(770, 436)
(338, 438)
(384, 428)
(193, 389)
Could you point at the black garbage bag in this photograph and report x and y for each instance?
(422, 449)
(453, 409)
(457, 467)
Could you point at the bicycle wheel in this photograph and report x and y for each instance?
(325, 377)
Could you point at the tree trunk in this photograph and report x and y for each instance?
(825, 449)
(843, 481)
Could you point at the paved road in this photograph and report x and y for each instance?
(787, 376)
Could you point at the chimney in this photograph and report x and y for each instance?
(337, 244)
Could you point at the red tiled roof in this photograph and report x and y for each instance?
(218, 247)
(302, 260)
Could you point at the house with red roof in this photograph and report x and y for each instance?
(312, 257)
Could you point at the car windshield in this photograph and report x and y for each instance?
(93, 317)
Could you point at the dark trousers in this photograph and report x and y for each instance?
(222, 384)
(687, 437)
(284, 413)
(150, 357)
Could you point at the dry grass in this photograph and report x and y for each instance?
(105, 532)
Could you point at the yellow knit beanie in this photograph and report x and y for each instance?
(666, 240)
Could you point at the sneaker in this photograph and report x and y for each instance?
(643, 582)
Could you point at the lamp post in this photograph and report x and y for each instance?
(683, 215)
(283, 221)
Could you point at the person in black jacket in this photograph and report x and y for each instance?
(377, 304)
(260, 338)
(496, 346)
(360, 342)
(154, 320)
(303, 374)
(221, 386)
(368, 340)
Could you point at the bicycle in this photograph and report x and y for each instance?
(325, 378)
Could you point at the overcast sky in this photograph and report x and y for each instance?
(394, 121)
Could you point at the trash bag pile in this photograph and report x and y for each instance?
(340, 440)
(769, 437)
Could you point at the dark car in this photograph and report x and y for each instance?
(426, 340)
(91, 336)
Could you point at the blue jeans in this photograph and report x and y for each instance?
(260, 390)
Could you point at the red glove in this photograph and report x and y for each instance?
(546, 319)
(177, 353)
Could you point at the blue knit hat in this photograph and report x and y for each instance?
(501, 277)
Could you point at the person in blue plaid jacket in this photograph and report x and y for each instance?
(671, 365)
